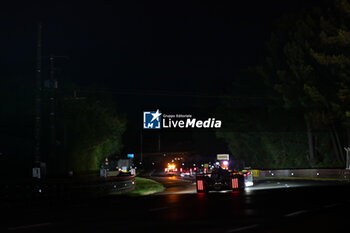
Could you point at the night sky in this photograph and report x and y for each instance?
(148, 54)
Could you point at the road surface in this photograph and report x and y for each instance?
(270, 206)
(178, 185)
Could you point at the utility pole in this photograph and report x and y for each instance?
(52, 100)
(159, 142)
(347, 165)
(75, 97)
(37, 131)
(51, 85)
(141, 145)
(52, 117)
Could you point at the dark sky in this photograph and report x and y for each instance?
(153, 45)
(143, 46)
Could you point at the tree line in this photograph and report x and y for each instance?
(294, 108)
(88, 128)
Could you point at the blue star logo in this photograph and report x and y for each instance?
(151, 120)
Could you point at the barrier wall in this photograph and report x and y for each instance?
(329, 174)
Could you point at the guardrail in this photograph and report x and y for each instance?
(118, 183)
(65, 188)
(322, 174)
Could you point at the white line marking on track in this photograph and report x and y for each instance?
(29, 226)
(296, 213)
(330, 205)
(243, 228)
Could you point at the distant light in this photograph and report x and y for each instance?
(225, 163)
(194, 165)
(292, 174)
(272, 174)
(217, 163)
(183, 164)
(318, 174)
(40, 191)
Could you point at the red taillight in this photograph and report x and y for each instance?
(234, 183)
(195, 169)
(181, 169)
(176, 169)
(200, 185)
(248, 173)
(245, 174)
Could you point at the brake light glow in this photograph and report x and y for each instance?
(200, 185)
(234, 183)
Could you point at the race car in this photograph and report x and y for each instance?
(222, 179)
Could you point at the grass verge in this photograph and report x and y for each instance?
(146, 187)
